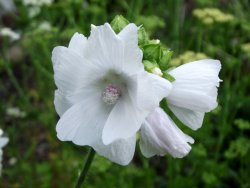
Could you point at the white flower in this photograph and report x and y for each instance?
(3, 142)
(104, 94)
(15, 112)
(34, 6)
(37, 2)
(34, 11)
(6, 6)
(45, 25)
(8, 32)
(160, 135)
(194, 92)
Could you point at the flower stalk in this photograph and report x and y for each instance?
(85, 169)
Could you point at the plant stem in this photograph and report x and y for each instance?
(85, 169)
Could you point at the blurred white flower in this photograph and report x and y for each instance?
(13, 161)
(15, 112)
(194, 92)
(3, 142)
(6, 6)
(104, 94)
(34, 6)
(33, 11)
(8, 32)
(45, 25)
(37, 2)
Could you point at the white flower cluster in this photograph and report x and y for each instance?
(37, 2)
(3, 142)
(8, 32)
(105, 97)
(15, 112)
(35, 6)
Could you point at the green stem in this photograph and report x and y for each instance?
(85, 169)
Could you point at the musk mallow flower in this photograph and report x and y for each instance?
(193, 93)
(3, 142)
(104, 94)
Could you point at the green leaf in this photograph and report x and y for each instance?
(238, 148)
(118, 23)
(168, 76)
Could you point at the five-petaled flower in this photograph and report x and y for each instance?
(104, 94)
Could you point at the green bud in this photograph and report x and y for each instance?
(118, 23)
(168, 76)
(149, 65)
(165, 58)
(152, 52)
(143, 37)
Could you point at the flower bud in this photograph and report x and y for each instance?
(160, 136)
(118, 23)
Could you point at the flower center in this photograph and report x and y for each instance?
(111, 94)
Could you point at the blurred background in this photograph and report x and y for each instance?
(193, 29)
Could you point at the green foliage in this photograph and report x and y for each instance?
(35, 158)
(238, 148)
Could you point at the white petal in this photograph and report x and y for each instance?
(120, 151)
(159, 136)
(105, 49)
(117, 52)
(61, 103)
(132, 52)
(83, 121)
(83, 124)
(71, 70)
(123, 121)
(147, 90)
(190, 118)
(195, 85)
(78, 43)
(3, 141)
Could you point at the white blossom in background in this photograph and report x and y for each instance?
(38, 3)
(104, 94)
(8, 32)
(3, 142)
(45, 26)
(6, 6)
(194, 92)
(12, 161)
(15, 112)
(34, 11)
(34, 6)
